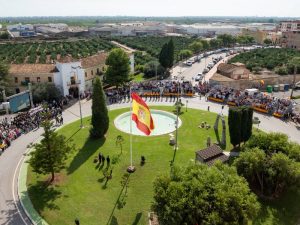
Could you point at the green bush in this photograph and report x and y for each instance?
(281, 70)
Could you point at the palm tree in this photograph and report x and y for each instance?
(120, 141)
(295, 62)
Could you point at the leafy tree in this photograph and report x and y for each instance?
(100, 119)
(118, 69)
(205, 44)
(49, 156)
(185, 53)
(267, 41)
(4, 35)
(196, 47)
(294, 62)
(153, 67)
(227, 39)
(274, 143)
(269, 175)
(3, 74)
(215, 43)
(45, 92)
(204, 195)
(120, 141)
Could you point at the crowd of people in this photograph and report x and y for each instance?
(158, 88)
(279, 107)
(13, 127)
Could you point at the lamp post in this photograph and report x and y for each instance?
(186, 105)
(78, 82)
(176, 125)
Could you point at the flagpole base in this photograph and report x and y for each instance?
(130, 169)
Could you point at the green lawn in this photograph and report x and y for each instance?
(138, 78)
(81, 191)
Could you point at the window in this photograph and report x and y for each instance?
(73, 81)
(98, 71)
(92, 72)
(27, 79)
(38, 79)
(85, 74)
(16, 80)
(49, 79)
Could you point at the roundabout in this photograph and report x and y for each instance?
(102, 206)
(81, 191)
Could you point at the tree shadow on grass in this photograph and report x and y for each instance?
(111, 217)
(114, 221)
(89, 148)
(137, 218)
(43, 196)
(284, 210)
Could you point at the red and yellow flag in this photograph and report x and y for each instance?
(141, 114)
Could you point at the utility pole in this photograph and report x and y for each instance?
(30, 95)
(294, 81)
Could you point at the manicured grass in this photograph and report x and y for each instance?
(81, 191)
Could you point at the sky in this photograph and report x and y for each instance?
(144, 8)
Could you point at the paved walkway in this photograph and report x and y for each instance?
(11, 212)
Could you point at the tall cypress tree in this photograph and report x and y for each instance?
(234, 123)
(100, 119)
(171, 50)
(163, 56)
(249, 124)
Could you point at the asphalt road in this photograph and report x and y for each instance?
(189, 72)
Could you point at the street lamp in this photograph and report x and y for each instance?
(186, 105)
(78, 82)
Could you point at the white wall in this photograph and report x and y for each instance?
(66, 71)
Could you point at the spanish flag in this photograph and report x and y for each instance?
(141, 114)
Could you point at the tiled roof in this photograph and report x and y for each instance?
(94, 60)
(209, 152)
(31, 68)
(222, 158)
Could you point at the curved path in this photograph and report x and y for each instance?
(11, 213)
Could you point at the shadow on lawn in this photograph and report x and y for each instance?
(89, 148)
(137, 218)
(43, 196)
(120, 202)
(284, 210)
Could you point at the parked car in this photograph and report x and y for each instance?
(198, 77)
(206, 70)
(189, 63)
(297, 85)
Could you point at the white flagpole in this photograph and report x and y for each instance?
(130, 128)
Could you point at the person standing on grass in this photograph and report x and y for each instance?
(100, 158)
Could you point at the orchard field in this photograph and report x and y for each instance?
(46, 52)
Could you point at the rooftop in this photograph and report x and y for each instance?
(94, 60)
(31, 68)
(211, 154)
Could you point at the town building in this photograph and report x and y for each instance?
(19, 30)
(291, 39)
(287, 26)
(69, 76)
(51, 28)
(210, 155)
(258, 35)
(235, 71)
